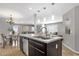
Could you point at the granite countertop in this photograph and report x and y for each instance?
(31, 36)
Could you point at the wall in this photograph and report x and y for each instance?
(52, 28)
(72, 39)
(56, 27)
(52, 24)
(77, 28)
(61, 28)
(3, 26)
(69, 39)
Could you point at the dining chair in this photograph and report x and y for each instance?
(3, 40)
(14, 39)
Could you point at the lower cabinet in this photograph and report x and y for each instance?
(33, 51)
(36, 48)
(54, 48)
(42, 49)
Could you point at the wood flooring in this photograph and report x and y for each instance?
(67, 52)
(15, 51)
(10, 51)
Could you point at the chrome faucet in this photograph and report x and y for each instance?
(45, 30)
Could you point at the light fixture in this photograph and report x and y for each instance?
(10, 20)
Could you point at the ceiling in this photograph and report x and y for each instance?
(24, 12)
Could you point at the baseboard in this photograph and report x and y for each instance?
(77, 52)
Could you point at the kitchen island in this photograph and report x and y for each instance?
(32, 45)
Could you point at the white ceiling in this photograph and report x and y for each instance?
(21, 12)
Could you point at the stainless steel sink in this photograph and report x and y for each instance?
(42, 37)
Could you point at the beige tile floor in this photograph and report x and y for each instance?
(14, 51)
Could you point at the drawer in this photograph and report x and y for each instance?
(33, 51)
(37, 44)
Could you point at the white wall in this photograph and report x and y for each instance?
(52, 28)
(61, 28)
(72, 40)
(3, 25)
(77, 28)
(69, 39)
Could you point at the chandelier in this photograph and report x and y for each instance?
(10, 20)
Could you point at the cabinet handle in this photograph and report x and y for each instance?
(56, 46)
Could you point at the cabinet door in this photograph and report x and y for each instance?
(59, 48)
(55, 48)
(33, 51)
(51, 49)
(37, 44)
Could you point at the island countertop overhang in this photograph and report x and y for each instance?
(30, 36)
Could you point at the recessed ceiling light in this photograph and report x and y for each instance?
(30, 8)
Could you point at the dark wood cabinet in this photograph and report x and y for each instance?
(37, 48)
(54, 48)
(33, 51)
